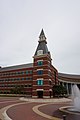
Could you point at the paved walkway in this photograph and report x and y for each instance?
(5, 102)
(36, 109)
(32, 104)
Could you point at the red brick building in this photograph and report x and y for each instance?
(35, 78)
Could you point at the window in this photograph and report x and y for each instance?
(18, 78)
(29, 78)
(39, 82)
(26, 78)
(27, 72)
(40, 52)
(40, 72)
(29, 85)
(40, 63)
(18, 72)
(22, 78)
(25, 85)
(49, 72)
(30, 71)
(22, 72)
(50, 82)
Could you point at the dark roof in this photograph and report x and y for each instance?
(73, 76)
(69, 78)
(16, 67)
(42, 45)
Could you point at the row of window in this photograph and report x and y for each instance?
(16, 73)
(13, 85)
(39, 63)
(16, 79)
(39, 82)
(40, 72)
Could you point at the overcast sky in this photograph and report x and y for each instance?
(21, 22)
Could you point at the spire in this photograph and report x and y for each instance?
(42, 32)
(42, 36)
(42, 45)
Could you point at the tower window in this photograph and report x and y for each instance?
(40, 63)
(40, 52)
(40, 72)
(39, 82)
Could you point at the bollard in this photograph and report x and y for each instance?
(64, 117)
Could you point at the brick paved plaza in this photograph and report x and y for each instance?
(12, 108)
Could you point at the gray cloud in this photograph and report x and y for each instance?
(20, 25)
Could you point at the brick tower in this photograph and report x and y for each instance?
(44, 74)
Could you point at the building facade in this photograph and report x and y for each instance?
(36, 79)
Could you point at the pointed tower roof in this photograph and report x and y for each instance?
(42, 36)
(42, 32)
(42, 45)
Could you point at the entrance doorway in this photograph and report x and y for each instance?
(40, 94)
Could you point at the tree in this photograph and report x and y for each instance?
(59, 90)
(17, 90)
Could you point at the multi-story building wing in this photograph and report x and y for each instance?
(19, 75)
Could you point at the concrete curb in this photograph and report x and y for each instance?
(63, 109)
(35, 109)
(46, 100)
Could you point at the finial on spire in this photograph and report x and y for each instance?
(42, 36)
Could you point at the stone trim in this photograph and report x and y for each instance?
(42, 85)
(34, 96)
(43, 90)
(39, 89)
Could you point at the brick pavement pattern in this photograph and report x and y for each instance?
(24, 110)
